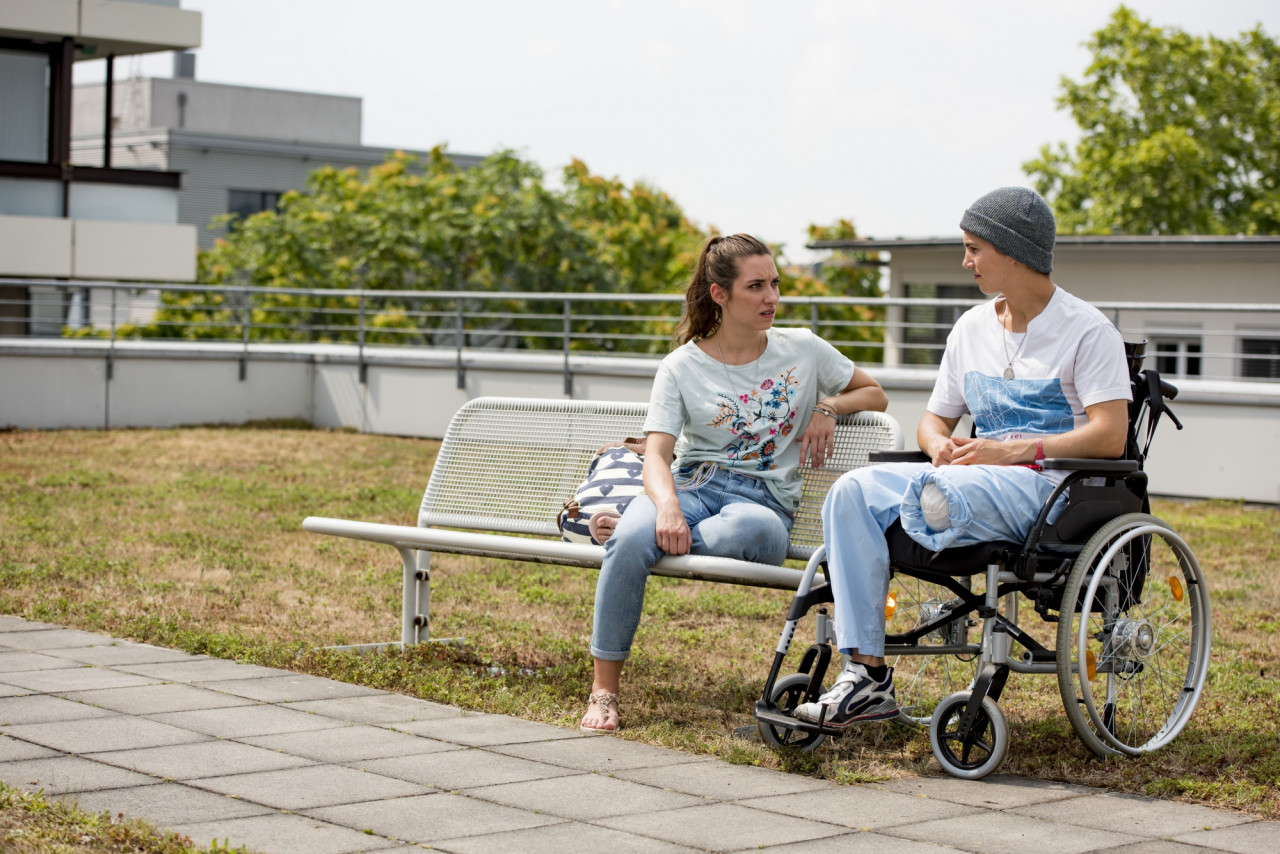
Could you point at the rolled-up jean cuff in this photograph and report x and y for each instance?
(608, 656)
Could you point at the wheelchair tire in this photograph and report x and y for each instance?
(921, 681)
(1141, 628)
(787, 694)
(974, 756)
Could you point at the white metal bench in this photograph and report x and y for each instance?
(508, 464)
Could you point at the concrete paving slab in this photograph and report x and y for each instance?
(488, 730)
(861, 807)
(58, 775)
(96, 735)
(198, 669)
(559, 838)
(122, 652)
(584, 797)
(10, 623)
(1132, 814)
(51, 638)
(16, 662)
(379, 708)
(42, 708)
(313, 786)
(12, 750)
(723, 827)
(350, 743)
(722, 781)
(426, 818)
(286, 687)
(1252, 838)
(464, 768)
(13, 690)
(865, 842)
(165, 804)
(990, 832)
(1160, 846)
(279, 833)
(994, 792)
(602, 754)
(69, 679)
(157, 699)
(216, 758)
(244, 721)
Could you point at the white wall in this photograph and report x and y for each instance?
(1226, 450)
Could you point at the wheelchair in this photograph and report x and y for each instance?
(1124, 602)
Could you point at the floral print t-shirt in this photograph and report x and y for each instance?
(747, 418)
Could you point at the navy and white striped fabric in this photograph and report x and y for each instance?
(613, 479)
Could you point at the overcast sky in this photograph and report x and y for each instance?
(755, 115)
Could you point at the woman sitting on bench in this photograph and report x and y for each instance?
(750, 403)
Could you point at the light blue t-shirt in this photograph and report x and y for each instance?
(747, 418)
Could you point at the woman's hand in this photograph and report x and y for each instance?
(986, 452)
(674, 536)
(816, 444)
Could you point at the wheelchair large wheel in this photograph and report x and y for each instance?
(922, 678)
(974, 754)
(788, 692)
(1134, 652)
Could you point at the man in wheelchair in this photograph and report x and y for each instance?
(1042, 374)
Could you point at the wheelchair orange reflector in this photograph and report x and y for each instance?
(1091, 663)
(890, 605)
(1175, 587)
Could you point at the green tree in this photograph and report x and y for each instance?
(1179, 135)
(844, 274)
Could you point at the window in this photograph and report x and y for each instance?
(1178, 357)
(1265, 353)
(24, 103)
(246, 203)
(927, 326)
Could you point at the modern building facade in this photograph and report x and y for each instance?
(59, 219)
(1222, 295)
(238, 148)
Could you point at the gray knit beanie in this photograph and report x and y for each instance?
(1016, 221)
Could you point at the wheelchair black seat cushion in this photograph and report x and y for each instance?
(905, 553)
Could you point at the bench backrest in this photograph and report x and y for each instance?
(508, 464)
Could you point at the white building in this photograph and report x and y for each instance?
(238, 148)
(1196, 277)
(58, 219)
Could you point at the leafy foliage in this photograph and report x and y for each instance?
(1179, 135)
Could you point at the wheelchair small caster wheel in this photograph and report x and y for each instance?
(788, 693)
(974, 754)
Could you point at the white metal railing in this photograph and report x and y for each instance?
(1219, 341)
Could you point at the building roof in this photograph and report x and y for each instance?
(1091, 241)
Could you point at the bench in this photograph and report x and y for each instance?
(507, 465)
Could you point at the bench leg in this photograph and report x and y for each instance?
(414, 618)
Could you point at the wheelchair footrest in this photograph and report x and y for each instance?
(771, 716)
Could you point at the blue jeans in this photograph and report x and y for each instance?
(732, 515)
(987, 503)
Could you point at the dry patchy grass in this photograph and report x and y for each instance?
(192, 538)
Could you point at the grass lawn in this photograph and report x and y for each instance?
(192, 539)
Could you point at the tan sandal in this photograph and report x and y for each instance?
(607, 703)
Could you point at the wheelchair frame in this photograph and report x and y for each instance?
(1125, 591)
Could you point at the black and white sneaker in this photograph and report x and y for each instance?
(855, 698)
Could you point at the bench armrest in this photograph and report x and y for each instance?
(898, 457)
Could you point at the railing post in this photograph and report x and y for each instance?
(364, 369)
(246, 322)
(462, 375)
(111, 343)
(813, 317)
(568, 334)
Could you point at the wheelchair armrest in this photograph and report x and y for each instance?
(1100, 466)
(898, 457)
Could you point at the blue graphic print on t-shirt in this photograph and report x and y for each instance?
(1000, 407)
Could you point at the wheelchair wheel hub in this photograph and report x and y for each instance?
(1133, 640)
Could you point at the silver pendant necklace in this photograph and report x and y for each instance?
(1004, 339)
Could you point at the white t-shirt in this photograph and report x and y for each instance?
(747, 418)
(1070, 357)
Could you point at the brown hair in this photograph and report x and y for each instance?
(718, 263)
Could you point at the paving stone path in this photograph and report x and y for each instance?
(282, 762)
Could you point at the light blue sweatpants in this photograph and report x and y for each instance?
(987, 503)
